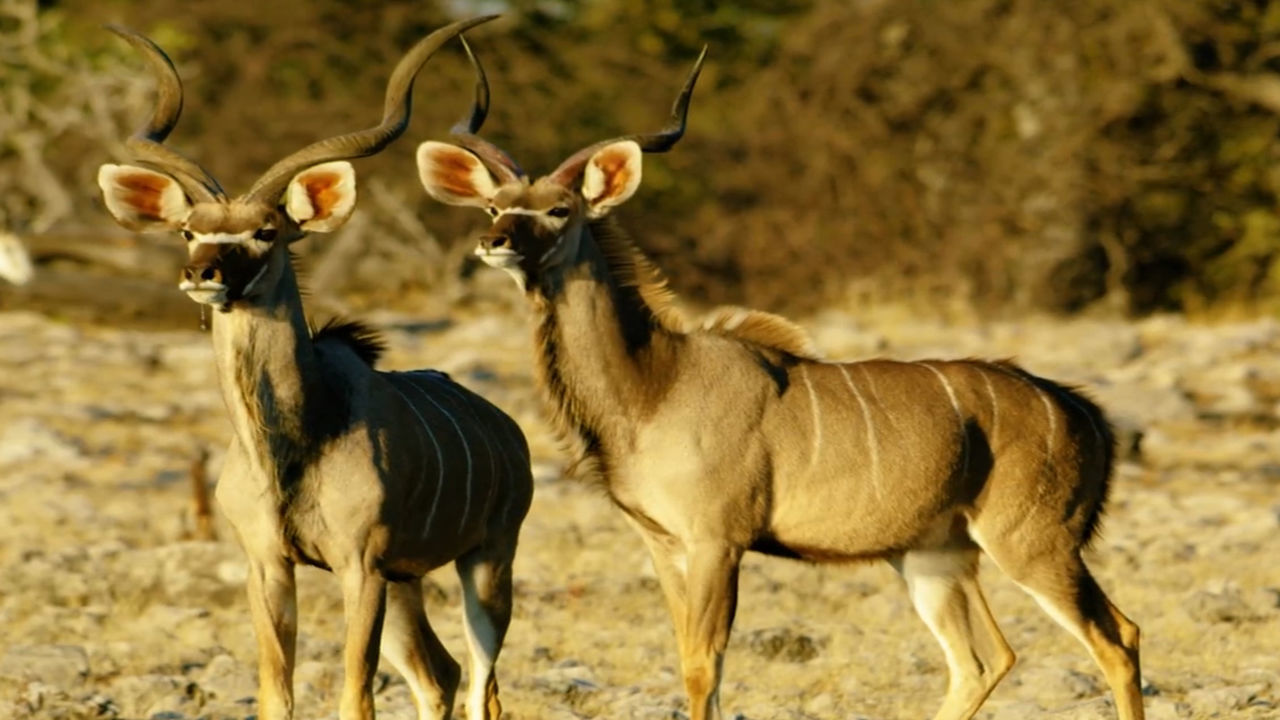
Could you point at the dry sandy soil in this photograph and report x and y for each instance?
(107, 610)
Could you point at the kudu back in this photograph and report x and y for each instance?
(377, 476)
(735, 436)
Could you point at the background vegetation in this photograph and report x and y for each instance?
(998, 155)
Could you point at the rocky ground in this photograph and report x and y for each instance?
(108, 610)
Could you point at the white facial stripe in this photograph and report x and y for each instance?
(517, 211)
(222, 238)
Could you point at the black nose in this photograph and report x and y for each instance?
(206, 273)
(494, 242)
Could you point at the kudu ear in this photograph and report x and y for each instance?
(454, 176)
(610, 177)
(322, 198)
(143, 200)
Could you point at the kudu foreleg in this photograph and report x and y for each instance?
(274, 609)
(711, 595)
(364, 602)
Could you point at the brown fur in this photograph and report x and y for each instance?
(761, 328)
(143, 193)
(631, 268)
(735, 437)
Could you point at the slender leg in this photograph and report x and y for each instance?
(485, 574)
(364, 601)
(712, 597)
(1064, 588)
(1077, 603)
(669, 564)
(410, 645)
(274, 609)
(943, 587)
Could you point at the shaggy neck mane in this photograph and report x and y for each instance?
(607, 338)
(640, 286)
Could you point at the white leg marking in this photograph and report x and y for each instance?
(817, 417)
(1072, 626)
(466, 447)
(955, 405)
(482, 640)
(873, 448)
(439, 457)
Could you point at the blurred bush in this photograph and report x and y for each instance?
(1005, 155)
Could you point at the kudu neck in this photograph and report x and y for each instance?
(267, 367)
(603, 345)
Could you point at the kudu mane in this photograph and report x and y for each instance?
(631, 268)
(367, 343)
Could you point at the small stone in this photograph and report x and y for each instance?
(784, 644)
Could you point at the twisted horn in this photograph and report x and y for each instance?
(146, 142)
(395, 118)
(660, 141)
(464, 132)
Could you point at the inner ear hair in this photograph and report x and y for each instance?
(142, 199)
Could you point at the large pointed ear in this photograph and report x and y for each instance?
(322, 198)
(141, 199)
(454, 176)
(610, 177)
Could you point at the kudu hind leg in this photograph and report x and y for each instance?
(1078, 604)
(944, 589)
(1064, 588)
(485, 575)
(410, 645)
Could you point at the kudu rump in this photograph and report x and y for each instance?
(734, 436)
(378, 476)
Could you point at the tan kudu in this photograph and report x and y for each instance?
(734, 436)
(377, 476)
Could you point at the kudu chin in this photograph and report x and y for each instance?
(734, 436)
(377, 476)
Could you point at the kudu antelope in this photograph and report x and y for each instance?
(377, 476)
(735, 436)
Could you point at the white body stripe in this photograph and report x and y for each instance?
(817, 417)
(1097, 434)
(466, 505)
(444, 382)
(1053, 420)
(426, 528)
(955, 405)
(995, 411)
(873, 448)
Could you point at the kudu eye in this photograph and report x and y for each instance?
(493, 211)
(266, 234)
(559, 211)
(188, 235)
